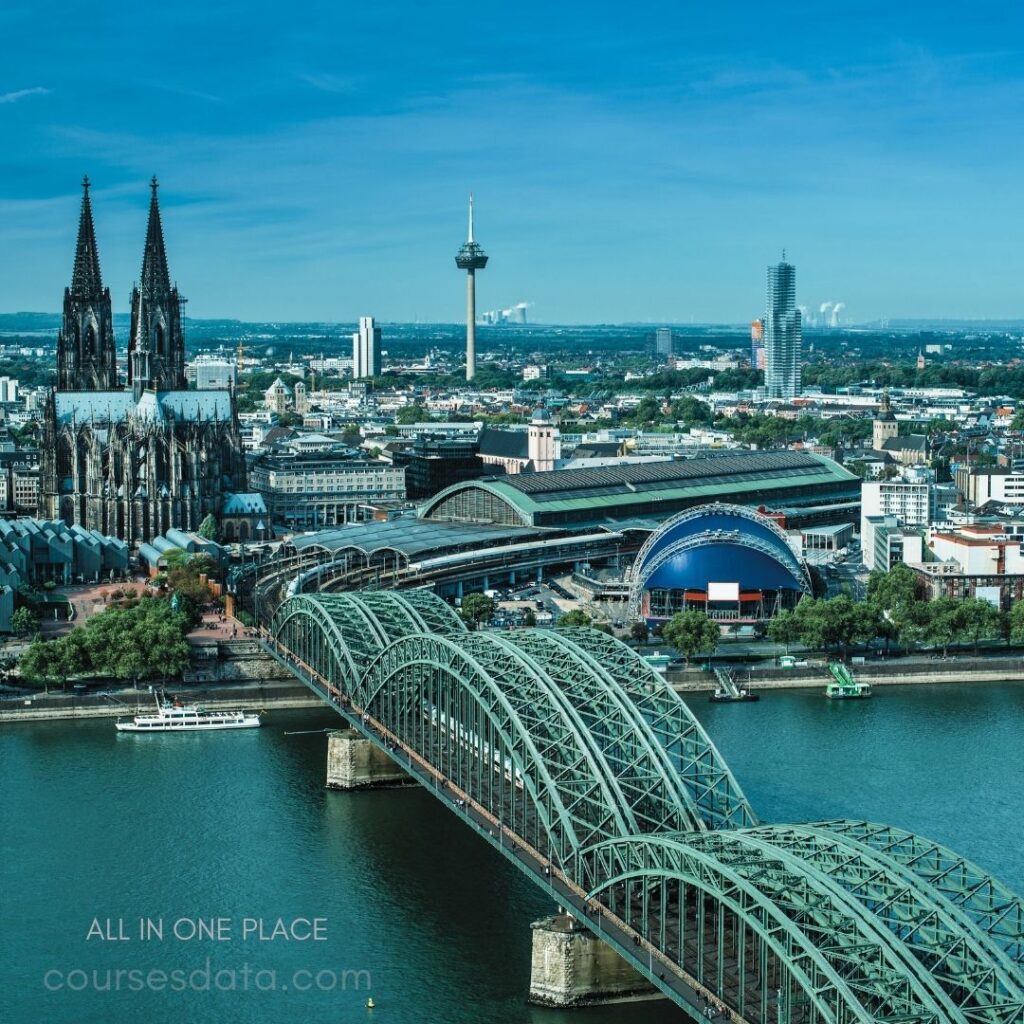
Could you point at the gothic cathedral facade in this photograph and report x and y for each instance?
(133, 462)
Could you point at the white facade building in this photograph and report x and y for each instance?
(911, 501)
(366, 349)
(8, 389)
(991, 484)
(980, 549)
(322, 488)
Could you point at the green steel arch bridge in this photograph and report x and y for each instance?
(578, 761)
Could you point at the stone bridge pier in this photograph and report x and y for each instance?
(353, 762)
(572, 967)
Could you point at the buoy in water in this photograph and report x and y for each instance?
(370, 1004)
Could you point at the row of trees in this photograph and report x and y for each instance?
(145, 641)
(893, 611)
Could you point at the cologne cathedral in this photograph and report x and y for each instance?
(132, 462)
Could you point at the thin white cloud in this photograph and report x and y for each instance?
(20, 94)
(326, 82)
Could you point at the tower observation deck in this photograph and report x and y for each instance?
(470, 258)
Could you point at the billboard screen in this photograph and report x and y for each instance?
(723, 591)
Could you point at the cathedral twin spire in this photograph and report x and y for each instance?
(155, 276)
(156, 348)
(86, 280)
(86, 354)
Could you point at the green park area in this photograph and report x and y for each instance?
(141, 635)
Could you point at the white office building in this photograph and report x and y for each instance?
(366, 349)
(990, 483)
(910, 502)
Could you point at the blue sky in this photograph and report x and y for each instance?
(631, 162)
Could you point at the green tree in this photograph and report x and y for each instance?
(638, 632)
(784, 629)
(911, 629)
(893, 590)
(894, 595)
(208, 528)
(979, 620)
(939, 622)
(1017, 622)
(191, 591)
(835, 624)
(144, 641)
(175, 559)
(24, 622)
(411, 414)
(576, 617)
(38, 663)
(203, 565)
(691, 633)
(530, 618)
(72, 655)
(476, 609)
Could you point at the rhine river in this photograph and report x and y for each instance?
(238, 826)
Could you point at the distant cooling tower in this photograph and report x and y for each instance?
(836, 309)
(511, 315)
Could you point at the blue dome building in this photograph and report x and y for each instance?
(726, 560)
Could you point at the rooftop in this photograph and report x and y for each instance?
(708, 470)
(619, 492)
(408, 536)
(153, 406)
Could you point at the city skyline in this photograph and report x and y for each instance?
(668, 142)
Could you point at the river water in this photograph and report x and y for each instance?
(224, 830)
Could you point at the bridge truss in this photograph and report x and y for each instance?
(585, 768)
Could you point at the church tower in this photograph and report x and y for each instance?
(156, 347)
(543, 445)
(86, 356)
(884, 425)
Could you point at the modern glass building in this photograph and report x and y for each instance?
(782, 333)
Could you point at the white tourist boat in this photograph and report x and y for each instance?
(176, 717)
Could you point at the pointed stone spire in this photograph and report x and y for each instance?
(156, 351)
(155, 276)
(86, 281)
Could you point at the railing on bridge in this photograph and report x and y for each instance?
(587, 770)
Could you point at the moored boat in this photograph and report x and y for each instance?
(177, 717)
(723, 696)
